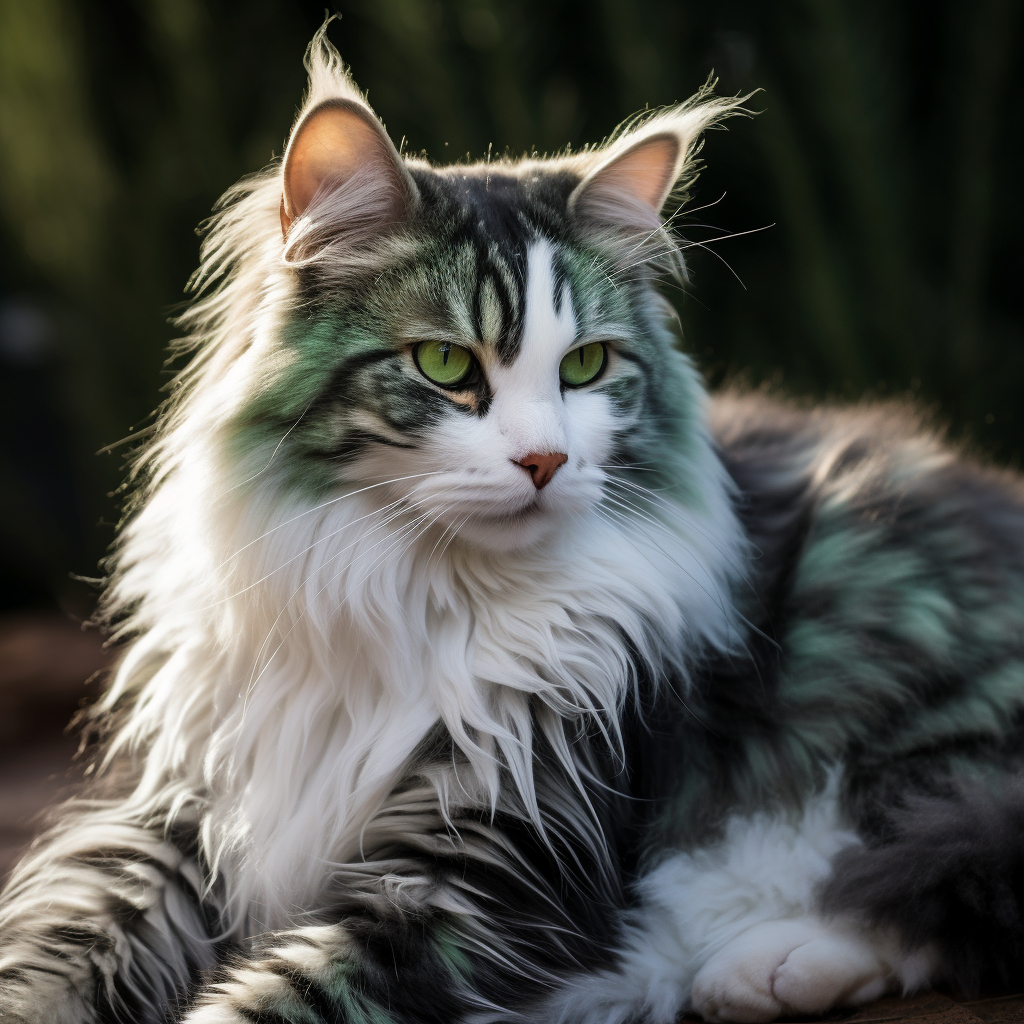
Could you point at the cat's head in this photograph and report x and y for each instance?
(479, 344)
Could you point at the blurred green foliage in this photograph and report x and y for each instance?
(886, 158)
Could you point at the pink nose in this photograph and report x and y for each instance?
(542, 467)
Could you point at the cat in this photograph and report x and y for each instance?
(479, 666)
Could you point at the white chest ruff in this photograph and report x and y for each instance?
(307, 687)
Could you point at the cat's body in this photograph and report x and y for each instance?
(481, 669)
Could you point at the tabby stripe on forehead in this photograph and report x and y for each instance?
(510, 266)
(559, 279)
(498, 307)
(489, 311)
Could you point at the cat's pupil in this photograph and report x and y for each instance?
(445, 349)
(581, 355)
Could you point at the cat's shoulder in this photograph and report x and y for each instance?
(803, 471)
(873, 449)
(757, 427)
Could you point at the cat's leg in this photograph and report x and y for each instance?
(761, 942)
(735, 931)
(104, 920)
(442, 938)
(352, 972)
(805, 966)
(464, 919)
(935, 890)
(945, 871)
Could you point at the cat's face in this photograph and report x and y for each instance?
(479, 347)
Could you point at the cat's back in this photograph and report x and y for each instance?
(873, 470)
(887, 588)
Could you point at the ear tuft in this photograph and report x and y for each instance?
(626, 183)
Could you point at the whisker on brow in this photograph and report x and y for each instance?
(680, 247)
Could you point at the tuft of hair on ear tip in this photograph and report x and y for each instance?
(627, 180)
(329, 78)
(339, 166)
(700, 114)
(688, 121)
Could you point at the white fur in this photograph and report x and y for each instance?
(714, 928)
(299, 654)
(289, 657)
(804, 965)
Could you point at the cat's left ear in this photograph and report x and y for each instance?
(626, 184)
(629, 189)
(340, 159)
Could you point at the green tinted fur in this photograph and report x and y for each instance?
(309, 350)
(428, 297)
(900, 658)
(451, 950)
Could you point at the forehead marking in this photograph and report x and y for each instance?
(500, 277)
(549, 321)
(497, 218)
(491, 318)
(559, 279)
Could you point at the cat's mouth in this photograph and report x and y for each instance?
(510, 518)
(505, 529)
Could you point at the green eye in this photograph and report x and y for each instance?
(582, 365)
(442, 362)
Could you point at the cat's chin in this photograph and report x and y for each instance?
(508, 531)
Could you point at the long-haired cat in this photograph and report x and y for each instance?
(480, 668)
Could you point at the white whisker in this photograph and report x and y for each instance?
(322, 505)
(716, 596)
(254, 680)
(273, 454)
(645, 493)
(398, 504)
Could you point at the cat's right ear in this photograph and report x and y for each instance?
(341, 167)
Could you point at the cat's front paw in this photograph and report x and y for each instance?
(214, 1013)
(737, 983)
(297, 980)
(803, 966)
(831, 970)
(250, 994)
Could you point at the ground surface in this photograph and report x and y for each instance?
(45, 660)
(44, 663)
(938, 1008)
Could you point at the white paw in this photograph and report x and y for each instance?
(214, 1013)
(736, 984)
(828, 971)
(803, 966)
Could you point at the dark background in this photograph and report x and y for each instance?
(887, 158)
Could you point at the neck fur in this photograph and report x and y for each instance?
(291, 660)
